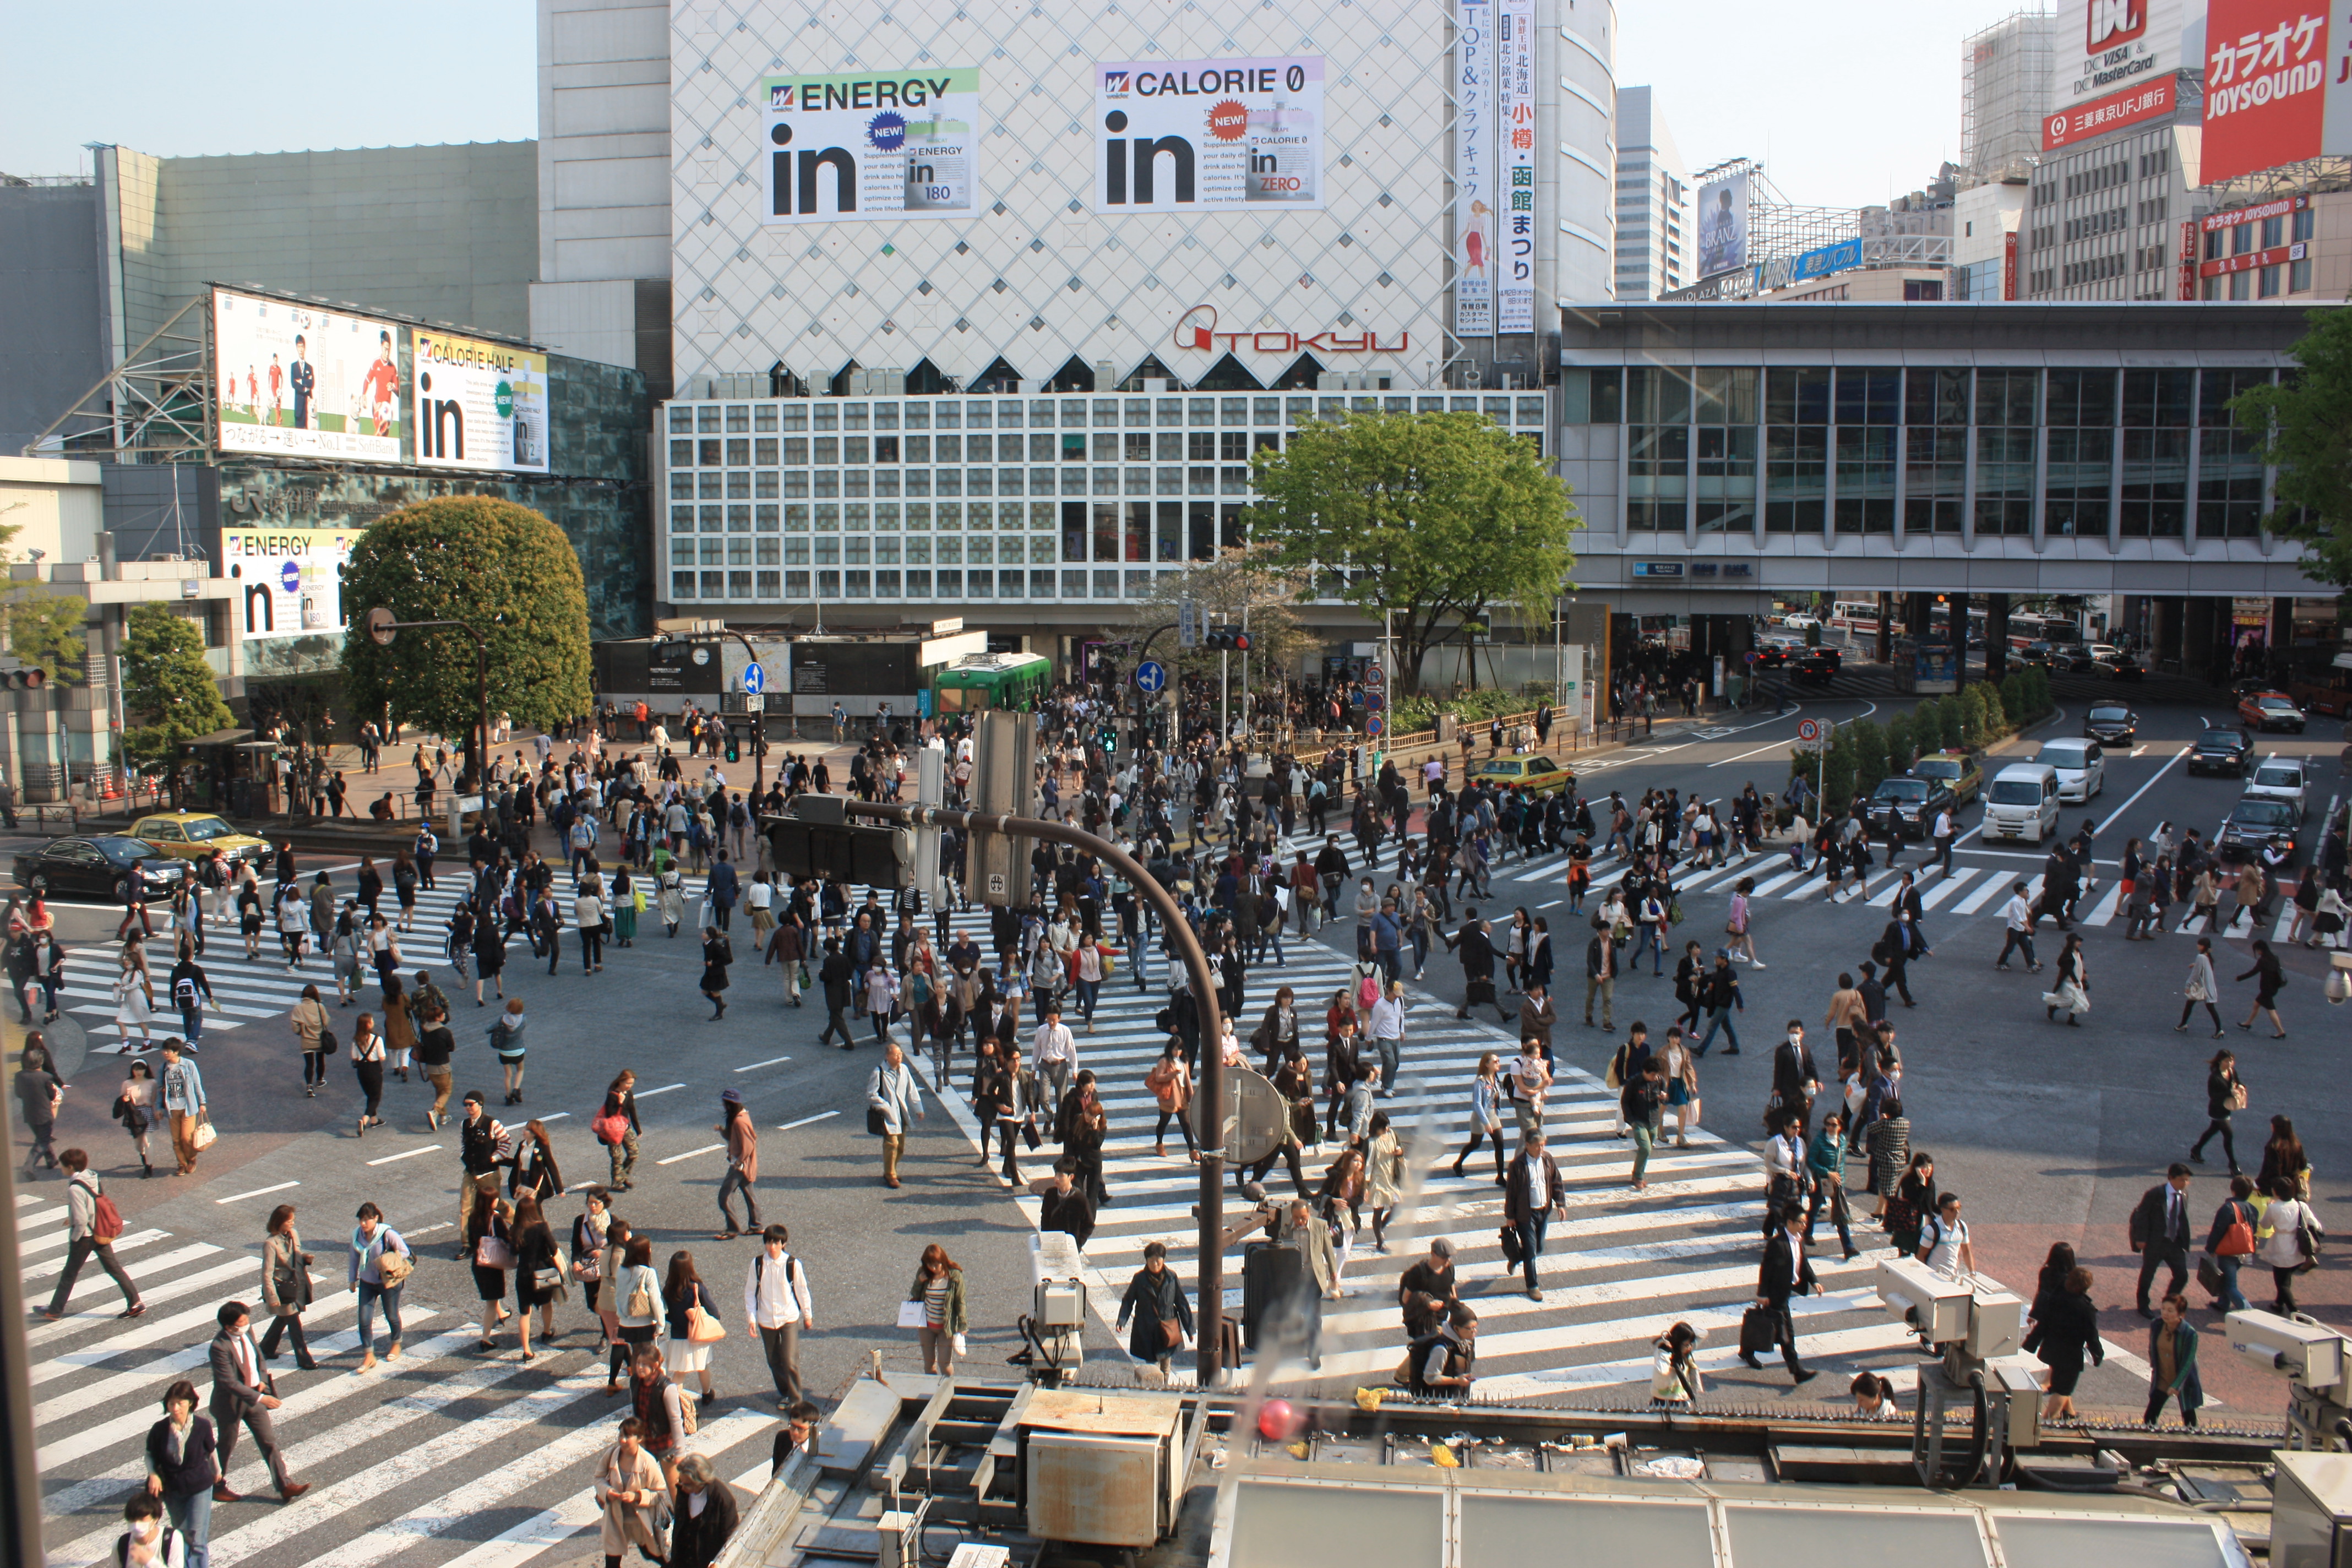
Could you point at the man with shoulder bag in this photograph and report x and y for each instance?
(892, 1098)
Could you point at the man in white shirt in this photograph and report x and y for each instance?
(2018, 915)
(1944, 1244)
(1387, 1025)
(1056, 1055)
(776, 1302)
(1946, 832)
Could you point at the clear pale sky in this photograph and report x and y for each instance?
(1848, 101)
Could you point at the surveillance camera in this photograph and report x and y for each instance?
(2307, 1353)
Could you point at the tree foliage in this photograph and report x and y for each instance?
(1248, 581)
(1870, 761)
(46, 629)
(1902, 742)
(1434, 518)
(2305, 428)
(499, 567)
(167, 683)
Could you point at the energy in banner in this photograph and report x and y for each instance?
(872, 144)
(290, 581)
(478, 406)
(301, 380)
(1183, 135)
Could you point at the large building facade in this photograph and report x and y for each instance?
(1656, 249)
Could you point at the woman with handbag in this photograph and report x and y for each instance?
(618, 1127)
(381, 1265)
(692, 1319)
(285, 1287)
(2292, 1246)
(2223, 1095)
(636, 1298)
(2230, 1243)
(539, 1269)
(1156, 1303)
(717, 954)
(939, 1285)
(2201, 989)
(535, 1172)
(590, 1231)
(134, 1107)
(632, 1492)
(134, 999)
(367, 1062)
(309, 1021)
(629, 902)
(1170, 1083)
(1384, 1175)
(2268, 977)
(490, 1247)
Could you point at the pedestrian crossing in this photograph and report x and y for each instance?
(247, 991)
(407, 1460)
(1616, 1272)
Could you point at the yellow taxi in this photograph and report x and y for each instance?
(1536, 775)
(195, 834)
(1960, 771)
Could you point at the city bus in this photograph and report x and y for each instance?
(1855, 617)
(983, 680)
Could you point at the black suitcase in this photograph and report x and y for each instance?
(1270, 1279)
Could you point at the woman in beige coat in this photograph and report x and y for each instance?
(309, 1023)
(286, 1289)
(629, 1490)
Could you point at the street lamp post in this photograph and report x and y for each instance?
(382, 628)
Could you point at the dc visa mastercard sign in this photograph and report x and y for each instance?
(872, 144)
(1185, 135)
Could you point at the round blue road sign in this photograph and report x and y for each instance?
(1151, 675)
(755, 679)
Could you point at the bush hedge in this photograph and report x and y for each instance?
(1862, 752)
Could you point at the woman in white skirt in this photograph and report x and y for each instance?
(687, 1305)
(134, 998)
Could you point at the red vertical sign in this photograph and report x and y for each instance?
(2008, 265)
(2189, 260)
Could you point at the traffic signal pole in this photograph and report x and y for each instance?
(1211, 1066)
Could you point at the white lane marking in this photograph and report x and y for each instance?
(1992, 887)
(690, 1153)
(257, 1192)
(1947, 886)
(649, 1093)
(805, 1121)
(772, 1062)
(408, 1154)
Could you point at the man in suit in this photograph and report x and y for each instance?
(1532, 1193)
(244, 1389)
(1786, 1271)
(2159, 1232)
(1795, 1080)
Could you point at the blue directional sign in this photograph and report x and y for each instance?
(1151, 677)
(755, 679)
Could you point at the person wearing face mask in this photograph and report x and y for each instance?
(149, 1542)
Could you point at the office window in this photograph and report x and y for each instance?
(1869, 396)
(1657, 475)
(2080, 409)
(1865, 485)
(2008, 410)
(2230, 471)
(1654, 395)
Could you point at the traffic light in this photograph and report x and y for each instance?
(734, 745)
(820, 837)
(23, 678)
(1226, 640)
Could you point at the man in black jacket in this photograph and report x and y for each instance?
(1474, 946)
(1795, 1080)
(1331, 868)
(1532, 1195)
(2159, 1232)
(1786, 1271)
(834, 975)
(1601, 977)
(1067, 1207)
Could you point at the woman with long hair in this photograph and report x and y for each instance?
(2223, 1094)
(2201, 988)
(535, 1172)
(399, 1026)
(1485, 1114)
(621, 1112)
(939, 1285)
(489, 1252)
(683, 1293)
(2267, 977)
(1170, 1083)
(1675, 1381)
(404, 887)
(2072, 990)
(285, 1287)
(2283, 1158)
(1384, 1175)
(2067, 1329)
(134, 1107)
(367, 1061)
(309, 1021)
(1340, 1204)
(538, 1280)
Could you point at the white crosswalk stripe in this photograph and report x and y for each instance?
(1619, 1269)
(398, 1435)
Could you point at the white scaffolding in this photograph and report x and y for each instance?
(2005, 95)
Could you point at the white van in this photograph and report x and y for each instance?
(2022, 801)
(2080, 764)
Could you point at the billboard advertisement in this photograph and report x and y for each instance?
(872, 144)
(1812, 264)
(1475, 171)
(299, 381)
(478, 406)
(290, 581)
(1515, 137)
(1723, 225)
(1190, 135)
(2067, 126)
(2103, 48)
(2265, 85)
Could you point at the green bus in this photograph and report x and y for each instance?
(983, 680)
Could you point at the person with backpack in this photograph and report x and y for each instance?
(191, 990)
(1443, 1363)
(776, 1303)
(92, 1226)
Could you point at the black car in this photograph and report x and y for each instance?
(98, 866)
(2252, 822)
(1814, 670)
(1918, 799)
(2222, 750)
(2111, 724)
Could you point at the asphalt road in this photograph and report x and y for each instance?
(2049, 1133)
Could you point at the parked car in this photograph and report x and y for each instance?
(195, 834)
(2268, 709)
(1958, 771)
(2223, 748)
(2081, 766)
(98, 866)
(1918, 799)
(2111, 724)
(2283, 779)
(2252, 822)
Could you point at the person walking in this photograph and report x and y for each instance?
(2231, 1241)
(1170, 1083)
(892, 1098)
(2268, 977)
(40, 1094)
(2017, 921)
(2072, 991)
(508, 1043)
(1639, 1103)
(380, 1263)
(135, 1108)
(743, 1166)
(704, 1516)
(182, 1468)
(1532, 1195)
(367, 1062)
(690, 1314)
(630, 1492)
(1486, 1117)
(939, 1287)
(490, 1253)
(2065, 1329)
(618, 1127)
(314, 1032)
(92, 1227)
(191, 993)
(776, 1303)
(2200, 987)
(718, 953)
(1156, 1304)
(245, 1393)
(2223, 1096)
(286, 1287)
(636, 1302)
(1785, 1271)
(183, 1094)
(2293, 1245)
(1675, 1381)
(2172, 1362)
(2159, 1232)
(1825, 1167)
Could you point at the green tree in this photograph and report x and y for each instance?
(2015, 695)
(1973, 728)
(1933, 718)
(46, 629)
(166, 681)
(498, 567)
(1902, 742)
(1433, 519)
(2305, 428)
(1835, 772)
(1996, 720)
(1870, 760)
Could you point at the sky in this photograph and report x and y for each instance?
(1846, 101)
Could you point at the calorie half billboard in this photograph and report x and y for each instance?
(296, 380)
(478, 406)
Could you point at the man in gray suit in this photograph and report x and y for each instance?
(243, 1390)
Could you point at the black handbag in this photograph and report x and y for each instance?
(1513, 1249)
(876, 1122)
(1029, 1133)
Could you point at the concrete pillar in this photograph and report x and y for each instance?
(1958, 623)
(2204, 637)
(1996, 637)
(1885, 628)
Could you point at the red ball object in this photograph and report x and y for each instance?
(1279, 1421)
